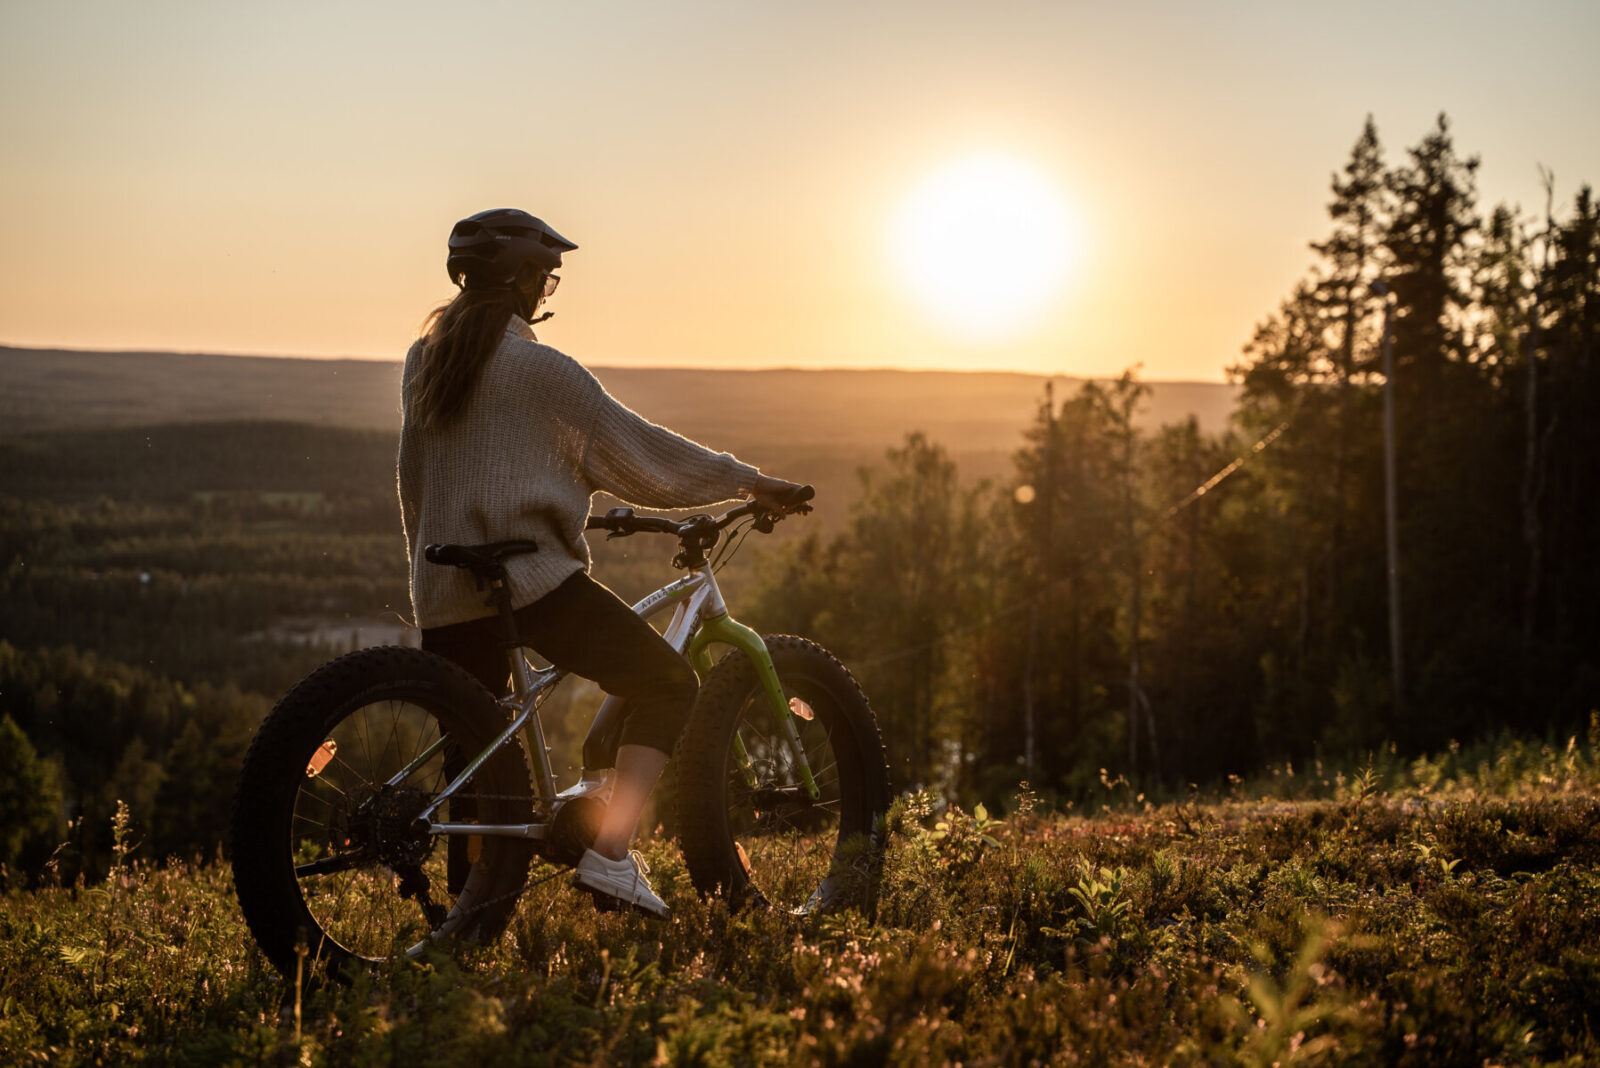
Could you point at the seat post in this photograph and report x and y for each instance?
(487, 564)
(522, 686)
(500, 597)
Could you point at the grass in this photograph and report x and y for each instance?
(1431, 912)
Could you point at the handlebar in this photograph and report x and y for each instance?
(621, 522)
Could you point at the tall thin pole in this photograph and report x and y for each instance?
(1045, 497)
(1135, 591)
(1532, 458)
(1390, 507)
(1027, 693)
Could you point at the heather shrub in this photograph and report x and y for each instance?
(1389, 923)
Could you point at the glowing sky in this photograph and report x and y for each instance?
(279, 178)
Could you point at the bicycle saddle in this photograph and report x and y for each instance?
(485, 561)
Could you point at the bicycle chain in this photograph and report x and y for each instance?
(527, 886)
(513, 895)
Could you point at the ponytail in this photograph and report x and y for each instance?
(458, 339)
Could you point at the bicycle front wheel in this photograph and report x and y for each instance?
(331, 859)
(748, 826)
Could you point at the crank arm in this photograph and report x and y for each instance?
(327, 865)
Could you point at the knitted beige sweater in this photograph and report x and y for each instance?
(537, 438)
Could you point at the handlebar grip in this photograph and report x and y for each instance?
(622, 521)
(617, 520)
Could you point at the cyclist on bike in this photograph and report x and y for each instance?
(505, 438)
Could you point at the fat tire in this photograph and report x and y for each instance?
(275, 767)
(704, 757)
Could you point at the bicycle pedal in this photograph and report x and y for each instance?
(604, 902)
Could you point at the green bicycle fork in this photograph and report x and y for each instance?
(728, 631)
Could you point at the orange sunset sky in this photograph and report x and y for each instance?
(1050, 187)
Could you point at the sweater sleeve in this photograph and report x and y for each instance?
(642, 463)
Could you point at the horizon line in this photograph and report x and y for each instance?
(831, 369)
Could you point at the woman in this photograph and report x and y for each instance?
(506, 438)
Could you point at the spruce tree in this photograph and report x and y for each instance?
(30, 803)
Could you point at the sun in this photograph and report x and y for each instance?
(985, 246)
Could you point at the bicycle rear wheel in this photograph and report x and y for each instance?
(329, 856)
(748, 827)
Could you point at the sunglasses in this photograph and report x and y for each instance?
(551, 281)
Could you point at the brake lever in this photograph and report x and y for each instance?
(615, 534)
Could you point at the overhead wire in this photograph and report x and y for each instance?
(1211, 483)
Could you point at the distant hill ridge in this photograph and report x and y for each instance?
(976, 412)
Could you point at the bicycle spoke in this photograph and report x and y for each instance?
(418, 747)
(312, 822)
(329, 783)
(344, 892)
(360, 728)
(356, 935)
(817, 776)
(394, 730)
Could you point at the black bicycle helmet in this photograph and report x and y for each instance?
(489, 248)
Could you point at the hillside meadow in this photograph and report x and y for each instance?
(1438, 911)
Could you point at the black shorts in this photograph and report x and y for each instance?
(584, 628)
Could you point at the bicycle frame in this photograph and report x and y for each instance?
(699, 620)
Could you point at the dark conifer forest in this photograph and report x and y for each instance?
(1175, 607)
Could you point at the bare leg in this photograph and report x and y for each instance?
(638, 768)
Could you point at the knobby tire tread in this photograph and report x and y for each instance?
(703, 752)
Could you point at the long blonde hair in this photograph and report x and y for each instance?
(458, 339)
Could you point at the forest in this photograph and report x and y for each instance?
(1156, 607)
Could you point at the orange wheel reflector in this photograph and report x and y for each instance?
(801, 709)
(321, 758)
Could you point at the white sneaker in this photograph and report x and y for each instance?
(622, 881)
